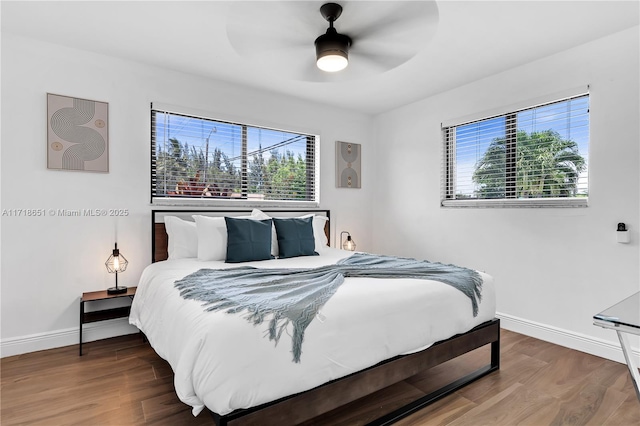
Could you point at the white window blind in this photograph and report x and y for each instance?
(534, 157)
(201, 160)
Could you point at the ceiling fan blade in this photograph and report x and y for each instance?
(253, 27)
(390, 19)
(381, 61)
(283, 46)
(384, 47)
(308, 71)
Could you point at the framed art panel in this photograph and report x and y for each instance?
(77, 134)
(348, 164)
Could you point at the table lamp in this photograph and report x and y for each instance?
(116, 263)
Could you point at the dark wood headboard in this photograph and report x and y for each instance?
(160, 240)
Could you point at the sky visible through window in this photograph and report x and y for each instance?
(569, 118)
(227, 137)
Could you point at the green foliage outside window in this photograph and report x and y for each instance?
(186, 173)
(546, 166)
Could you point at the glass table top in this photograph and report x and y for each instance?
(626, 313)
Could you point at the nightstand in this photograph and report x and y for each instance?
(104, 314)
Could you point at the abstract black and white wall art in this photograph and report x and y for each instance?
(77, 134)
(348, 164)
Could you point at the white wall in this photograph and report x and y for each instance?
(554, 268)
(47, 262)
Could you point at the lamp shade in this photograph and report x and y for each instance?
(332, 51)
(116, 262)
(348, 244)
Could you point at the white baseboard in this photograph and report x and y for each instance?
(118, 327)
(59, 338)
(589, 344)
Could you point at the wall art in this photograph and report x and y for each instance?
(348, 164)
(77, 134)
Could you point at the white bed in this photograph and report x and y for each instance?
(224, 363)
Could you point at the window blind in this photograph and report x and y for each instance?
(535, 157)
(197, 160)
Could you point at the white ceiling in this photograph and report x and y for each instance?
(459, 41)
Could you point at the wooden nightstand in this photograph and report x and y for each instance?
(104, 314)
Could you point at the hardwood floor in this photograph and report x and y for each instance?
(121, 381)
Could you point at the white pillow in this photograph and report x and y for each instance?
(183, 238)
(318, 231)
(212, 237)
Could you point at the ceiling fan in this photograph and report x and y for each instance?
(332, 48)
(375, 36)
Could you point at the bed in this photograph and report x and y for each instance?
(359, 342)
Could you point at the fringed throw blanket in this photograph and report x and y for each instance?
(296, 295)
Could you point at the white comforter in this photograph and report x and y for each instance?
(225, 363)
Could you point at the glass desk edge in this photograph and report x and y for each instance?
(624, 314)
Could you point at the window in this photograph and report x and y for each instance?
(530, 157)
(195, 159)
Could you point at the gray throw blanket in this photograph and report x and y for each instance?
(296, 295)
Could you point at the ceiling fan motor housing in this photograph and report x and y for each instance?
(332, 43)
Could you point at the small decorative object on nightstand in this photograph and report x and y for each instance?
(348, 244)
(116, 263)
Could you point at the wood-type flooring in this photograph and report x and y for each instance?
(122, 381)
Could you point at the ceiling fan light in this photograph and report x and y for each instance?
(332, 63)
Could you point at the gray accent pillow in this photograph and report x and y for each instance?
(295, 237)
(248, 239)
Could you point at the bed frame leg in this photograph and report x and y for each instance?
(495, 353)
(218, 419)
